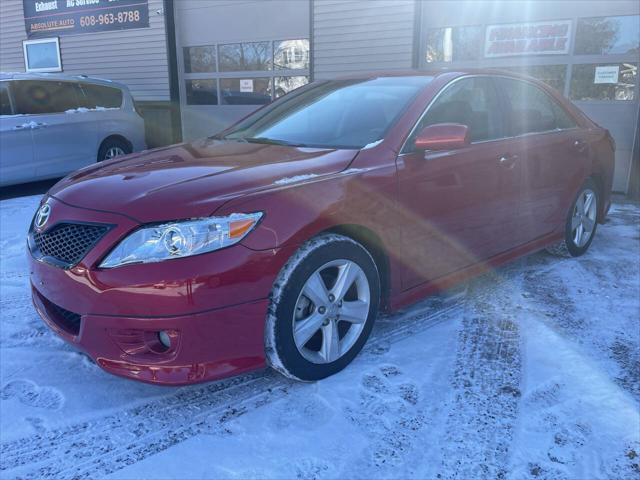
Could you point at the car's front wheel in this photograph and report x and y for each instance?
(581, 223)
(322, 309)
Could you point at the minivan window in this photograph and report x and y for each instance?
(332, 114)
(44, 96)
(472, 102)
(101, 96)
(532, 110)
(5, 104)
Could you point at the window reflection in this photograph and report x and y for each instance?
(593, 82)
(608, 35)
(454, 43)
(245, 91)
(199, 59)
(284, 85)
(291, 54)
(245, 56)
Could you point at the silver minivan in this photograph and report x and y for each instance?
(53, 124)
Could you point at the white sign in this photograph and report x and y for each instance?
(536, 38)
(608, 74)
(246, 85)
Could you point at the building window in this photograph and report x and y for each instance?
(249, 73)
(245, 91)
(254, 56)
(552, 75)
(604, 81)
(291, 55)
(202, 92)
(284, 85)
(42, 55)
(200, 59)
(454, 43)
(608, 35)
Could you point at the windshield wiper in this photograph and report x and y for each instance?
(272, 141)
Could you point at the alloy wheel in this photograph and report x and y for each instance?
(113, 152)
(583, 221)
(331, 311)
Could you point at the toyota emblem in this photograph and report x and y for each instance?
(43, 215)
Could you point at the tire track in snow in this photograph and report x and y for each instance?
(101, 446)
(486, 383)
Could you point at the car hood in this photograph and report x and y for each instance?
(193, 179)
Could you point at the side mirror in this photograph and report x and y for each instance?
(443, 136)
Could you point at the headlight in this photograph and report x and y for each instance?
(181, 239)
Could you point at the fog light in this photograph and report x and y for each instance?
(164, 338)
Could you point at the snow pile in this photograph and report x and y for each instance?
(85, 110)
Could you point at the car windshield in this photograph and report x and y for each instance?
(332, 114)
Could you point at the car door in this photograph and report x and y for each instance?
(62, 140)
(552, 151)
(460, 206)
(16, 147)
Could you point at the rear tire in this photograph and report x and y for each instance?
(323, 306)
(112, 148)
(581, 223)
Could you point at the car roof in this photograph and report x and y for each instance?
(59, 76)
(434, 72)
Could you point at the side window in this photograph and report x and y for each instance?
(532, 110)
(5, 104)
(472, 102)
(44, 96)
(563, 119)
(100, 96)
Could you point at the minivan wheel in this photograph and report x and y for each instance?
(112, 148)
(323, 306)
(581, 224)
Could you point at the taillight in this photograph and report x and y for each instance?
(612, 142)
(137, 108)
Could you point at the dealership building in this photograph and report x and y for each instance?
(195, 66)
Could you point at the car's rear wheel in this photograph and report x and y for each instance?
(581, 223)
(112, 148)
(322, 309)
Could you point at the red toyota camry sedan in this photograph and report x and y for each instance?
(277, 241)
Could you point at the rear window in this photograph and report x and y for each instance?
(5, 104)
(44, 96)
(533, 110)
(100, 96)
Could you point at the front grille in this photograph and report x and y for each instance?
(67, 243)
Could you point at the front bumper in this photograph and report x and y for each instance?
(213, 307)
(204, 346)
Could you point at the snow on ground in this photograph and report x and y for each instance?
(532, 371)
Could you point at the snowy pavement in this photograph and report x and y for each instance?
(532, 371)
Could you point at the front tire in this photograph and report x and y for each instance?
(112, 148)
(323, 306)
(581, 223)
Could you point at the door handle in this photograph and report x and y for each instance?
(39, 125)
(580, 145)
(507, 161)
(22, 127)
